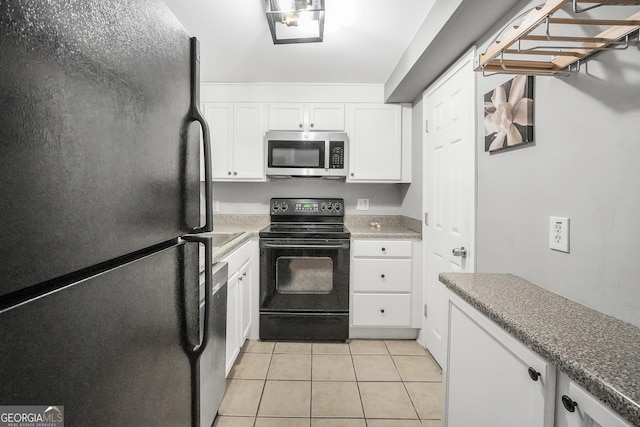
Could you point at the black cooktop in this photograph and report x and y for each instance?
(306, 231)
(306, 219)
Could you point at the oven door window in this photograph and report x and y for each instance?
(308, 275)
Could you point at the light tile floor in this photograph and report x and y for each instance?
(363, 383)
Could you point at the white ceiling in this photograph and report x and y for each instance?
(363, 41)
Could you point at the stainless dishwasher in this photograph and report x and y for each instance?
(212, 360)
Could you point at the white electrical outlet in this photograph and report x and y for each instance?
(362, 204)
(559, 233)
(216, 206)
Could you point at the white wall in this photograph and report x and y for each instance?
(584, 164)
(412, 196)
(253, 198)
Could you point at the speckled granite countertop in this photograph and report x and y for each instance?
(597, 351)
(248, 225)
(391, 227)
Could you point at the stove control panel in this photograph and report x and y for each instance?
(307, 207)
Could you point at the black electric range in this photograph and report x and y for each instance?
(304, 271)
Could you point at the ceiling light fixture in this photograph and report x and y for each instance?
(295, 21)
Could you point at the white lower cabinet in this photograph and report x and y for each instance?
(493, 379)
(233, 324)
(240, 312)
(384, 278)
(381, 310)
(246, 289)
(576, 407)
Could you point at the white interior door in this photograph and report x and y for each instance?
(449, 186)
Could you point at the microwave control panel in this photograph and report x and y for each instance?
(336, 154)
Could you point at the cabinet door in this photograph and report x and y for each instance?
(488, 381)
(248, 142)
(326, 117)
(247, 298)
(233, 321)
(375, 146)
(589, 412)
(286, 116)
(220, 120)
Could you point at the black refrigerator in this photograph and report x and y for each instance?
(100, 182)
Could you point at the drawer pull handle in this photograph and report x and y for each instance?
(382, 310)
(383, 249)
(533, 374)
(382, 276)
(569, 403)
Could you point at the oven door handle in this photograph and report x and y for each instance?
(285, 245)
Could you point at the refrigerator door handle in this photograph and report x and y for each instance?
(195, 350)
(196, 115)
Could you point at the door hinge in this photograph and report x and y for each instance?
(426, 218)
(426, 126)
(425, 310)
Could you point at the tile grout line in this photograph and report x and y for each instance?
(311, 384)
(355, 374)
(264, 385)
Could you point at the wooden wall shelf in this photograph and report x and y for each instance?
(514, 50)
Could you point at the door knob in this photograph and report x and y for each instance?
(461, 252)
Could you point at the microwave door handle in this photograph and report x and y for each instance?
(327, 153)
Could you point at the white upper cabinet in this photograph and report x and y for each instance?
(376, 149)
(286, 116)
(326, 117)
(248, 138)
(306, 117)
(237, 140)
(219, 117)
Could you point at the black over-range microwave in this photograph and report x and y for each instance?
(307, 154)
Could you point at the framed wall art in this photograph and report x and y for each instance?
(508, 114)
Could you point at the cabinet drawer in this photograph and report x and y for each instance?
(382, 310)
(382, 275)
(382, 248)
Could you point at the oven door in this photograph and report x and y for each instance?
(304, 275)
